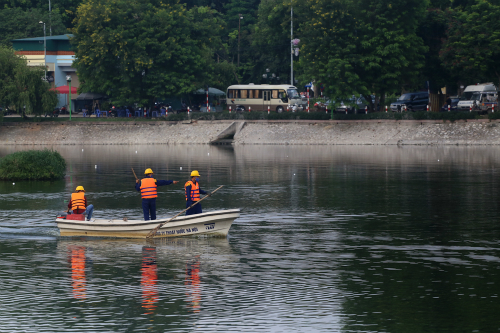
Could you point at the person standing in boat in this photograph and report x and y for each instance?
(193, 190)
(147, 186)
(78, 203)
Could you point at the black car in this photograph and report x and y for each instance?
(415, 101)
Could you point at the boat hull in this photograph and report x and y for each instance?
(215, 223)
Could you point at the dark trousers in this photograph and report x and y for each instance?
(149, 206)
(195, 210)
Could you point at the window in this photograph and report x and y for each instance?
(281, 94)
(275, 94)
(244, 93)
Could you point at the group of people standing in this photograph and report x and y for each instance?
(148, 188)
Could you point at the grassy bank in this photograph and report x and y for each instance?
(452, 116)
(33, 165)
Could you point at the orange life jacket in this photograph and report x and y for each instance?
(78, 201)
(148, 188)
(195, 191)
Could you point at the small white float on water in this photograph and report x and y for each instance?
(216, 223)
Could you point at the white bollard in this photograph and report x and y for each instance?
(326, 110)
(188, 110)
(470, 108)
(366, 109)
(268, 109)
(288, 108)
(386, 109)
(427, 107)
(249, 109)
(449, 107)
(229, 108)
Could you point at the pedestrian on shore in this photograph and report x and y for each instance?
(193, 190)
(78, 203)
(147, 186)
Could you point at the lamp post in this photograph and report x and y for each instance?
(44, 49)
(68, 78)
(240, 17)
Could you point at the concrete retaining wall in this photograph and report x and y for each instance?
(368, 132)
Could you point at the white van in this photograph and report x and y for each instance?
(466, 100)
(260, 97)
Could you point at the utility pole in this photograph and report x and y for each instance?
(291, 45)
(50, 19)
(240, 17)
(44, 49)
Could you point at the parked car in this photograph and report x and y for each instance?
(415, 101)
(354, 105)
(453, 105)
(466, 101)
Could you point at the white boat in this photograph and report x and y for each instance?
(215, 223)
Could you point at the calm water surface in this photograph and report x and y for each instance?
(331, 239)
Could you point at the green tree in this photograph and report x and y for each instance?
(22, 86)
(361, 46)
(473, 44)
(271, 39)
(136, 51)
(19, 23)
(62, 10)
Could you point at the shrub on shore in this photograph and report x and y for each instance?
(33, 165)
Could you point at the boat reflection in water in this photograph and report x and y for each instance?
(193, 286)
(76, 256)
(149, 279)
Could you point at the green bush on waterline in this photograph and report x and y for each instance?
(33, 165)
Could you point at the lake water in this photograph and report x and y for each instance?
(330, 239)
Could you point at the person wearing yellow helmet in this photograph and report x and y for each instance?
(147, 186)
(78, 203)
(193, 191)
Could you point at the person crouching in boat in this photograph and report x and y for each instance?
(78, 203)
(147, 186)
(193, 190)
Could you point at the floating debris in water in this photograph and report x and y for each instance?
(208, 154)
(82, 149)
(136, 151)
(181, 168)
(13, 183)
(96, 166)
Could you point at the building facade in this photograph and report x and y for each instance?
(58, 60)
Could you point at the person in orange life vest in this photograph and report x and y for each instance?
(78, 203)
(193, 191)
(147, 186)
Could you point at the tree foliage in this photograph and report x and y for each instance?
(136, 51)
(19, 23)
(22, 86)
(473, 44)
(362, 46)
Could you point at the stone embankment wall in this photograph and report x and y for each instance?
(373, 132)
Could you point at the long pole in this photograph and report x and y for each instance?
(291, 45)
(44, 51)
(153, 232)
(239, 28)
(70, 100)
(50, 19)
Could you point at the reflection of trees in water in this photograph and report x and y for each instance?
(192, 283)
(78, 281)
(149, 279)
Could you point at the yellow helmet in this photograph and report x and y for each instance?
(195, 173)
(148, 171)
(80, 188)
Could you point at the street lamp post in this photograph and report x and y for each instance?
(68, 78)
(240, 17)
(44, 49)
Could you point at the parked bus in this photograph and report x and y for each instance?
(261, 96)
